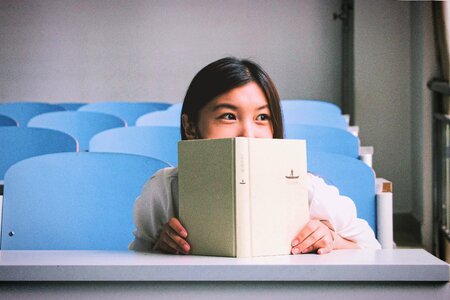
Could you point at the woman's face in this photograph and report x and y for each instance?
(241, 112)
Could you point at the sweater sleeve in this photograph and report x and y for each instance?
(326, 204)
(152, 209)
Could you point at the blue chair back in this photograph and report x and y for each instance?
(129, 111)
(176, 106)
(7, 121)
(298, 117)
(18, 143)
(22, 112)
(71, 105)
(311, 106)
(153, 141)
(351, 176)
(73, 201)
(82, 125)
(326, 139)
(160, 118)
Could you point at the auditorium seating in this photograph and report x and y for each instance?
(71, 105)
(325, 139)
(82, 125)
(18, 143)
(129, 111)
(153, 141)
(160, 118)
(22, 112)
(73, 201)
(7, 121)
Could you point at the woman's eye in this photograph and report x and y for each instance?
(228, 116)
(263, 117)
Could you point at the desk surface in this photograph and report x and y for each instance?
(342, 265)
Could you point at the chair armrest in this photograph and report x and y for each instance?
(353, 130)
(384, 198)
(366, 154)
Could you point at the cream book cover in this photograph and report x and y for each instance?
(242, 197)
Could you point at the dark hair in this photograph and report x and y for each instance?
(222, 76)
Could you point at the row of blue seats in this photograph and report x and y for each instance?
(156, 113)
(84, 201)
(161, 142)
(22, 112)
(17, 143)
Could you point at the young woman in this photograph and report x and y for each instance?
(236, 98)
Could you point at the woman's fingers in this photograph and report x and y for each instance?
(175, 224)
(180, 243)
(307, 237)
(165, 247)
(170, 241)
(309, 243)
(314, 236)
(168, 237)
(328, 244)
(306, 231)
(165, 243)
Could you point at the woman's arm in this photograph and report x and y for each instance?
(339, 219)
(153, 209)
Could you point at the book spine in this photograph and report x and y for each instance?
(242, 201)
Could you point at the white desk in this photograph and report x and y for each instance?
(382, 274)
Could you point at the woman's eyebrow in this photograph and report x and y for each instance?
(225, 105)
(263, 107)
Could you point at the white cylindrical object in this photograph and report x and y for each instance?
(385, 228)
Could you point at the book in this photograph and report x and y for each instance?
(242, 197)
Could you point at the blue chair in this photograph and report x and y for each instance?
(22, 112)
(297, 117)
(82, 125)
(153, 141)
(176, 106)
(73, 201)
(313, 112)
(351, 176)
(71, 105)
(326, 139)
(129, 111)
(160, 118)
(18, 143)
(7, 121)
(311, 106)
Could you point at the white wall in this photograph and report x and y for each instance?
(140, 50)
(383, 91)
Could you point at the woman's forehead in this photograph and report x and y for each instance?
(249, 95)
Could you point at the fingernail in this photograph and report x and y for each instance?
(186, 248)
(294, 243)
(183, 233)
(295, 251)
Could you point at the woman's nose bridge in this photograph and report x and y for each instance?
(247, 129)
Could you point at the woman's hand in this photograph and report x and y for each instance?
(173, 238)
(314, 236)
